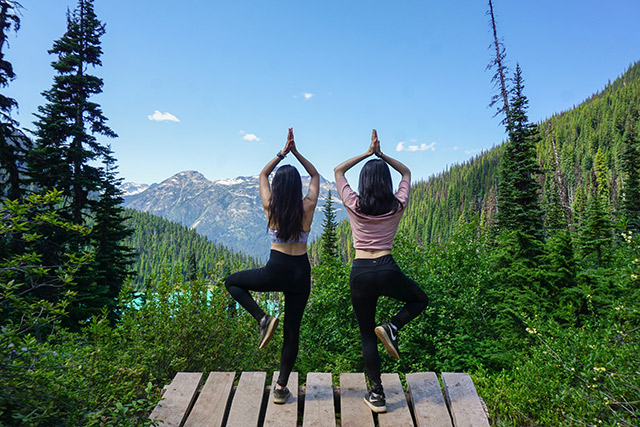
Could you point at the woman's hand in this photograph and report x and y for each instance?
(376, 143)
(291, 144)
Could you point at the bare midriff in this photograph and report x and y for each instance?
(294, 249)
(372, 253)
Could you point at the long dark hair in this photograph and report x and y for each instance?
(285, 206)
(376, 189)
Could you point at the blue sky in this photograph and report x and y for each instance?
(213, 86)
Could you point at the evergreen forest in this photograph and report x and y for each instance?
(529, 254)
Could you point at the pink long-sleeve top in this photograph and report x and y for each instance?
(372, 232)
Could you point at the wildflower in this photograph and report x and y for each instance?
(532, 330)
(599, 369)
(634, 276)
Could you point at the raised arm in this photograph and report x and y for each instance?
(314, 184)
(265, 188)
(343, 167)
(396, 164)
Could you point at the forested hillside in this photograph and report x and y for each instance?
(566, 149)
(161, 244)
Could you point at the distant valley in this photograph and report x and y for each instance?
(227, 211)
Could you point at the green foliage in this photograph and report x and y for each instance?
(329, 337)
(570, 376)
(191, 326)
(25, 306)
(449, 335)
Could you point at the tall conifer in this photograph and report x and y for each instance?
(518, 205)
(67, 156)
(66, 145)
(329, 240)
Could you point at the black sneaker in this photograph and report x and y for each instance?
(389, 337)
(267, 328)
(376, 402)
(280, 396)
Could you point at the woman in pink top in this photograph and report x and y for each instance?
(374, 215)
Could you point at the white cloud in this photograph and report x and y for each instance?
(474, 151)
(163, 117)
(456, 148)
(414, 147)
(307, 95)
(249, 136)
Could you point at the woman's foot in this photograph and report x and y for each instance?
(280, 395)
(389, 337)
(267, 328)
(376, 402)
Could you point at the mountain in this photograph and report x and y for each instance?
(227, 211)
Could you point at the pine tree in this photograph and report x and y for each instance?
(631, 178)
(13, 143)
(518, 205)
(66, 145)
(329, 240)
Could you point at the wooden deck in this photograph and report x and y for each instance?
(219, 403)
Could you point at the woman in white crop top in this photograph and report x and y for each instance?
(374, 215)
(289, 218)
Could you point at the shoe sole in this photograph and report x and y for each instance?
(377, 409)
(270, 331)
(387, 342)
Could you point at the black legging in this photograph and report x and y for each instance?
(370, 279)
(284, 273)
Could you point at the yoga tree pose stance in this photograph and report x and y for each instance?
(374, 215)
(289, 218)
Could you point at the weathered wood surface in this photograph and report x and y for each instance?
(397, 414)
(319, 409)
(286, 414)
(247, 401)
(178, 399)
(212, 402)
(429, 407)
(353, 411)
(220, 404)
(464, 403)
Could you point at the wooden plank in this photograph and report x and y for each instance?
(247, 400)
(397, 414)
(464, 403)
(429, 407)
(353, 411)
(178, 399)
(319, 410)
(285, 414)
(212, 401)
